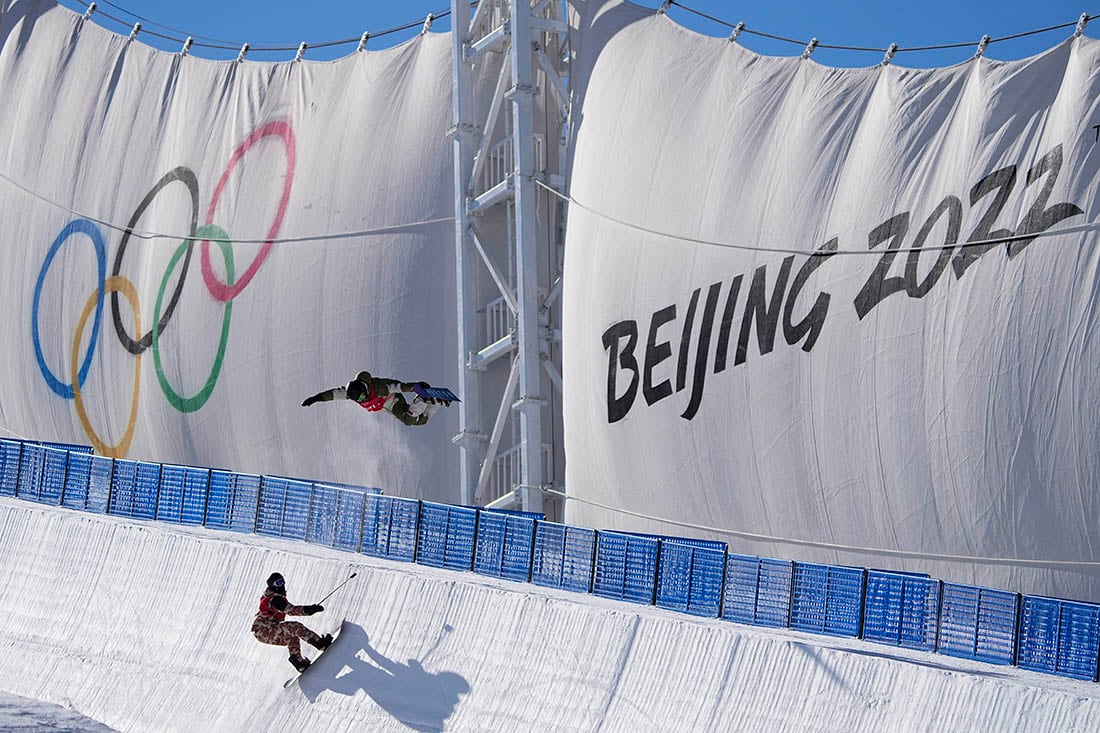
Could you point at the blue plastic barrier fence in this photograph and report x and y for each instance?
(563, 557)
(72, 476)
(1059, 637)
(30, 472)
(234, 500)
(978, 623)
(445, 538)
(283, 508)
(626, 567)
(690, 576)
(511, 512)
(183, 494)
(827, 599)
(134, 487)
(55, 464)
(10, 453)
(219, 510)
(390, 527)
(694, 576)
(504, 545)
(77, 480)
(336, 517)
(901, 609)
(88, 482)
(71, 447)
(757, 590)
(121, 496)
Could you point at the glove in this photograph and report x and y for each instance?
(314, 608)
(309, 401)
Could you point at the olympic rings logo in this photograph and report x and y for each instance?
(116, 284)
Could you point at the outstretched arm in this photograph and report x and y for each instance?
(280, 603)
(337, 393)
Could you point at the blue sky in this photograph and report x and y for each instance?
(845, 23)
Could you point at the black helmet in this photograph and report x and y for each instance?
(358, 391)
(276, 583)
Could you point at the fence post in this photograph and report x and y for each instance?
(790, 594)
(416, 527)
(362, 523)
(939, 614)
(42, 474)
(309, 506)
(286, 500)
(259, 497)
(503, 540)
(64, 479)
(183, 489)
(656, 575)
(473, 555)
(626, 551)
(592, 562)
(389, 528)
(206, 497)
(282, 512)
(722, 582)
(977, 620)
(88, 483)
(1095, 665)
(156, 501)
(18, 469)
(111, 486)
(446, 536)
(1016, 629)
(691, 577)
(756, 592)
(863, 601)
(531, 552)
(561, 565)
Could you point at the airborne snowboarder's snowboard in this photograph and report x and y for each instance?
(335, 638)
(437, 393)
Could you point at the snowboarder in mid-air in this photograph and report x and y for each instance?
(270, 627)
(378, 393)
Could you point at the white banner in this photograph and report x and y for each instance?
(776, 322)
(168, 349)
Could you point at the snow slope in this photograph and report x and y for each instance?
(144, 627)
(22, 715)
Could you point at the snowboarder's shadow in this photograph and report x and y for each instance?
(418, 698)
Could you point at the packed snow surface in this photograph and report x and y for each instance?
(145, 627)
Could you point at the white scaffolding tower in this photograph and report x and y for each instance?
(508, 245)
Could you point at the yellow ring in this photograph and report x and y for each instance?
(119, 284)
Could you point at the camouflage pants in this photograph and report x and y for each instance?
(286, 633)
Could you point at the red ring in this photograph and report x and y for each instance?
(220, 290)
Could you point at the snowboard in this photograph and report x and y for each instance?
(335, 638)
(438, 393)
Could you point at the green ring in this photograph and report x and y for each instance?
(214, 233)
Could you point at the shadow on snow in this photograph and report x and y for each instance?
(418, 698)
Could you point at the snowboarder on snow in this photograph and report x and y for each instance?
(378, 393)
(270, 627)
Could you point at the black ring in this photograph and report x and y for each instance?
(187, 177)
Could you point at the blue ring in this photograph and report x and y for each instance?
(89, 229)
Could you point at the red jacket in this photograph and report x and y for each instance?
(274, 608)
